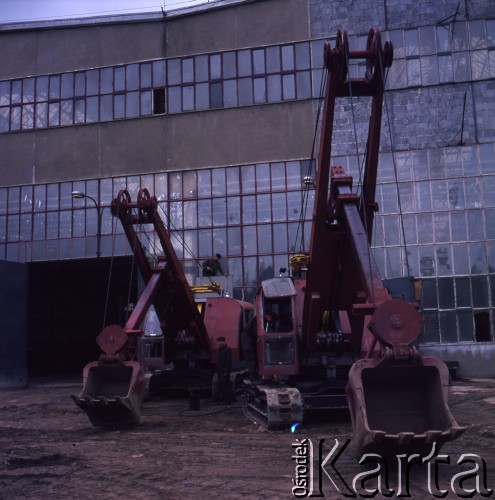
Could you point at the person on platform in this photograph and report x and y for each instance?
(212, 267)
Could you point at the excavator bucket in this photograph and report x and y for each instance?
(112, 393)
(400, 407)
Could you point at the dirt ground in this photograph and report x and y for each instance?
(49, 450)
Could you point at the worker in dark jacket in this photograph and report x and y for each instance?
(224, 365)
(212, 267)
(248, 343)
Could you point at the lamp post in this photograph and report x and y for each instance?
(79, 195)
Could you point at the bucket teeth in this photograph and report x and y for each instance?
(405, 437)
(433, 436)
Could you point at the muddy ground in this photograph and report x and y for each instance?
(49, 450)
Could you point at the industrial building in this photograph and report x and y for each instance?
(214, 110)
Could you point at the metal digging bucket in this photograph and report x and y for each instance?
(113, 390)
(400, 407)
(112, 393)
(398, 401)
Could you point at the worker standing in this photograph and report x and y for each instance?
(212, 267)
(224, 365)
(248, 343)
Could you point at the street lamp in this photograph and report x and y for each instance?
(79, 195)
(309, 181)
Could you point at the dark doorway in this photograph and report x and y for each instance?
(69, 304)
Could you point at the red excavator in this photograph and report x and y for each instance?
(114, 387)
(336, 306)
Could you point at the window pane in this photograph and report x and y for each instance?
(279, 207)
(204, 213)
(16, 92)
(174, 99)
(158, 73)
(66, 112)
(245, 91)
(93, 82)
(219, 211)
(230, 93)
(234, 240)
(274, 83)
(174, 71)
(249, 239)
(233, 183)
(215, 66)
(28, 90)
(203, 96)
(280, 243)
(42, 88)
(145, 75)
(248, 179)
(263, 203)
(259, 61)
(216, 95)
(28, 116)
(132, 104)
(411, 42)
(188, 70)
(244, 62)
(445, 68)
(263, 177)
(259, 90)
(4, 93)
(218, 182)
(229, 65)
(54, 114)
(302, 55)
(303, 84)
(201, 68)
(288, 58)
(41, 115)
(119, 106)
(106, 107)
(248, 209)
(273, 59)
(460, 36)
(204, 183)
(265, 239)
(119, 79)
(132, 77)
(106, 80)
(80, 84)
(427, 41)
(289, 91)
(233, 210)
(145, 98)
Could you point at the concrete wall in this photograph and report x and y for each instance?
(191, 140)
(44, 51)
(475, 360)
(251, 24)
(90, 44)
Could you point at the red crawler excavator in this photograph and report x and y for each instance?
(114, 387)
(336, 303)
